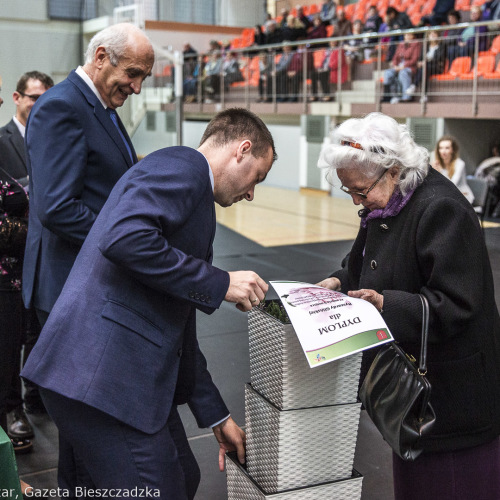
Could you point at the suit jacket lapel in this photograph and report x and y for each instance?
(104, 119)
(17, 141)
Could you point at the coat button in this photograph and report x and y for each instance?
(197, 296)
(179, 352)
(191, 294)
(202, 297)
(384, 227)
(373, 264)
(209, 299)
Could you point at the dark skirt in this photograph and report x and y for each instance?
(473, 473)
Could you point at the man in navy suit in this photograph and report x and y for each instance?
(29, 88)
(119, 351)
(77, 149)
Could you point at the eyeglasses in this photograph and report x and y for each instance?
(32, 97)
(363, 195)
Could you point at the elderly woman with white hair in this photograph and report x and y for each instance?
(419, 235)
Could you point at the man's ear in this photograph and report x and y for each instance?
(100, 56)
(16, 96)
(244, 148)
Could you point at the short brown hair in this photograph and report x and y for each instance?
(22, 83)
(239, 123)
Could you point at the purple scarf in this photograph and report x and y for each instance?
(393, 207)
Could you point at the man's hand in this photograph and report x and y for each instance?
(246, 289)
(370, 296)
(330, 283)
(230, 438)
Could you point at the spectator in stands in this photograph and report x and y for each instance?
(372, 25)
(342, 24)
(467, 42)
(231, 70)
(328, 13)
(281, 72)
(211, 77)
(400, 76)
(303, 18)
(214, 46)
(190, 73)
(354, 47)
(447, 162)
(265, 78)
(394, 20)
(372, 21)
(284, 17)
(295, 73)
(274, 33)
(338, 67)
(450, 35)
(318, 30)
(434, 60)
(397, 20)
(269, 20)
(439, 14)
(259, 37)
(491, 11)
(294, 29)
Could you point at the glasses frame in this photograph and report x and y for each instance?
(31, 96)
(362, 195)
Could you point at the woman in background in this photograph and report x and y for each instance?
(450, 165)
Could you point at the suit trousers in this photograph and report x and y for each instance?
(11, 309)
(97, 451)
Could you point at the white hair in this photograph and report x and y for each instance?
(377, 142)
(115, 39)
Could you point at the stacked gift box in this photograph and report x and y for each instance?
(301, 422)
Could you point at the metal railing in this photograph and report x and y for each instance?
(339, 69)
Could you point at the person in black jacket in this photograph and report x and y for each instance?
(20, 325)
(419, 235)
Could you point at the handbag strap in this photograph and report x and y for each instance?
(422, 369)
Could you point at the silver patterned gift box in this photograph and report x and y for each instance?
(241, 486)
(296, 448)
(280, 371)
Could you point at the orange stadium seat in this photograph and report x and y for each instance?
(459, 66)
(485, 64)
(494, 75)
(462, 4)
(349, 10)
(495, 45)
(313, 9)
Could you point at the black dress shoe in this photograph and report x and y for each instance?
(18, 425)
(21, 446)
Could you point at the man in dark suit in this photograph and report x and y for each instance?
(29, 88)
(119, 351)
(77, 149)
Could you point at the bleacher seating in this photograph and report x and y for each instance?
(459, 67)
(462, 69)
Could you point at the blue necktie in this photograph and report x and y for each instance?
(114, 119)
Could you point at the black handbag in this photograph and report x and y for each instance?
(396, 393)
